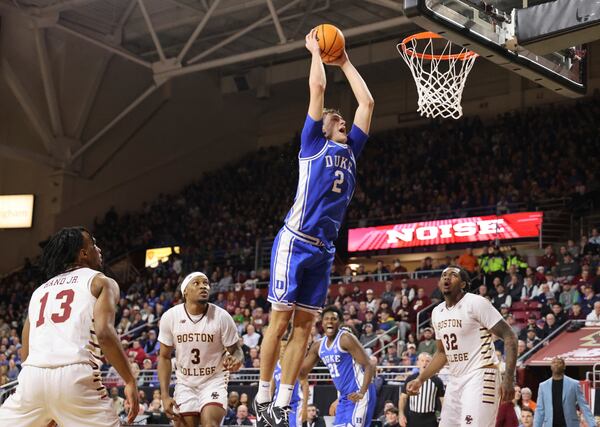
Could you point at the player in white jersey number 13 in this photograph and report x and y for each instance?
(206, 346)
(464, 324)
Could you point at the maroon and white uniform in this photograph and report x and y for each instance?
(473, 391)
(200, 343)
(60, 379)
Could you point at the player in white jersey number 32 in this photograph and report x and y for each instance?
(206, 346)
(464, 324)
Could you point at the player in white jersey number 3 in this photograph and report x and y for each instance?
(70, 326)
(463, 326)
(206, 345)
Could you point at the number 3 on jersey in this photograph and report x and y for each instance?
(339, 181)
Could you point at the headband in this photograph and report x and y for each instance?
(188, 279)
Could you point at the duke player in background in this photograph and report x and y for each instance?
(463, 326)
(206, 346)
(350, 368)
(69, 328)
(303, 250)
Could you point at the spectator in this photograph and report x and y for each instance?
(152, 345)
(421, 301)
(576, 313)
(549, 260)
(559, 314)
(501, 298)
(567, 269)
(368, 338)
(569, 296)
(251, 337)
(593, 319)
(427, 343)
(526, 401)
(389, 294)
(139, 353)
(526, 417)
(13, 371)
(116, 401)
(398, 270)
(391, 417)
(242, 416)
(372, 302)
(521, 350)
(551, 325)
(425, 270)
(528, 289)
(407, 290)
(514, 259)
(567, 392)
(588, 300)
(468, 261)
(531, 338)
(312, 417)
(381, 273)
(388, 404)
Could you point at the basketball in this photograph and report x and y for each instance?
(331, 42)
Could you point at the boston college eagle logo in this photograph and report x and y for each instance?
(468, 419)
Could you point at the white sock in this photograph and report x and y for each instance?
(284, 395)
(264, 392)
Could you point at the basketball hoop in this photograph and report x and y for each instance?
(440, 72)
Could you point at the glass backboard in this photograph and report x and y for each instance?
(489, 28)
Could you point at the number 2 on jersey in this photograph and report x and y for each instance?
(68, 295)
(339, 181)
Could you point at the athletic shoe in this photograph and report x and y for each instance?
(277, 416)
(260, 409)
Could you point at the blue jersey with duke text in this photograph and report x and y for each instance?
(295, 393)
(326, 182)
(347, 375)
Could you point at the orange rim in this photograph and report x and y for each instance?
(463, 56)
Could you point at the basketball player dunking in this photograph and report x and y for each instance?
(303, 250)
(206, 346)
(70, 324)
(463, 326)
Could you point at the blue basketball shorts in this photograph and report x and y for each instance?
(358, 414)
(300, 272)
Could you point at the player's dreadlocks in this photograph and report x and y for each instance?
(61, 251)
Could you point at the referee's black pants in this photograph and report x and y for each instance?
(421, 419)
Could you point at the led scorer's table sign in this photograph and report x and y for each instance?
(16, 211)
(446, 231)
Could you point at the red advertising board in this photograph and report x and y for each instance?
(579, 348)
(446, 231)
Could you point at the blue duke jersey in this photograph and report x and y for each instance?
(347, 376)
(303, 250)
(296, 394)
(326, 182)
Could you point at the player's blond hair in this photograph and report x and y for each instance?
(331, 111)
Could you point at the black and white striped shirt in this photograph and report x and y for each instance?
(425, 401)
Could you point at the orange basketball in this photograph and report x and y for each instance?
(331, 42)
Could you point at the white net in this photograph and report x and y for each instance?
(440, 73)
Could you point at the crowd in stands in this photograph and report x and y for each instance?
(442, 167)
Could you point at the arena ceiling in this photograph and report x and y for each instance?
(166, 39)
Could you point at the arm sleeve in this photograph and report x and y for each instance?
(165, 334)
(229, 334)
(584, 406)
(539, 413)
(484, 312)
(357, 140)
(311, 139)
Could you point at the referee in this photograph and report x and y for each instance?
(421, 408)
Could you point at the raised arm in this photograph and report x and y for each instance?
(107, 293)
(366, 103)
(310, 361)
(437, 363)
(351, 344)
(505, 332)
(317, 79)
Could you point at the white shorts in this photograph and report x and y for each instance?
(71, 395)
(191, 400)
(472, 400)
